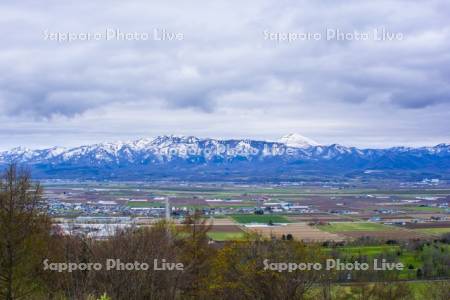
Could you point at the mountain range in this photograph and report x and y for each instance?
(291, 158)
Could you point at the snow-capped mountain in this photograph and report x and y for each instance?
(188, 157)
(297, 141)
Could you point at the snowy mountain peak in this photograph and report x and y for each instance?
(20, 150)
(189, 157)
(296, 140)
(55, 151)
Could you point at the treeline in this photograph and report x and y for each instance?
(32, 251)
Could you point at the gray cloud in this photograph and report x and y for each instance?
(224, 68)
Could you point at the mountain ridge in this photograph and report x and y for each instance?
(188, 157)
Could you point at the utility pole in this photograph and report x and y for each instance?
(168, 211)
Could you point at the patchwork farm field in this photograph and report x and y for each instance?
(343, 210)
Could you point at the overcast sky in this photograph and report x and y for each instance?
(225, 75)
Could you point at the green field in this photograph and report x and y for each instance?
(406, 257)
(368, 250)
(424, 209)
(336, 227)
(226, 236)
(263, 219)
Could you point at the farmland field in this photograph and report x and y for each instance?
(299, 231)
(335, 227)
(144, 204)
(434, 231)
(226, 236)
(264, 219)
(368, 250)
(343, 211)
(424, 209)
(355, 230)
(445, 224)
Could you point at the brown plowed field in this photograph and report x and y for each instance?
(300, 231)
(428, 225)
(224, 222)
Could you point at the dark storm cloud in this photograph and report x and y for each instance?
(420, 99)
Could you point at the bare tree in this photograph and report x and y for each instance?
(24, 230)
